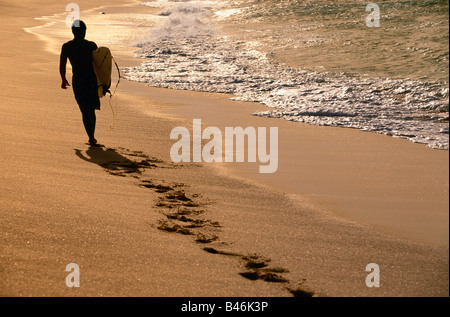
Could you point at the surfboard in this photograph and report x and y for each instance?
(102, 62)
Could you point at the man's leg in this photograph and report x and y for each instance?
(87, 98)
(89, 121)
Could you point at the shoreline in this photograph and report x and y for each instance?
(352, 172)
(243, 229)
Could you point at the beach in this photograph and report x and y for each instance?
(139, 224)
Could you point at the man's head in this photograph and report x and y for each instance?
(79, 29)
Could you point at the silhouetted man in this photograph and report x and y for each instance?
(84, 80)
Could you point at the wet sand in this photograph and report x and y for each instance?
(139, 225)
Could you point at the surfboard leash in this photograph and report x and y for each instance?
(113, 94)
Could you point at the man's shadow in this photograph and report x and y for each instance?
(110, 160)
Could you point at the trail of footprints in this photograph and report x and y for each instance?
(184, 214)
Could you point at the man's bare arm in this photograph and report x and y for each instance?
(62, 70)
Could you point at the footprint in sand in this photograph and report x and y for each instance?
(185, 212)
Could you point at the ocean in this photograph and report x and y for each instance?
(316, 62)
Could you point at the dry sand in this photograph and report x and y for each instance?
(341, 199)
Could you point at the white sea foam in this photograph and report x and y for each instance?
(227, 13)
(185, 52)
(184, 19)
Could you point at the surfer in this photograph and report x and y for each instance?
(84, 80)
